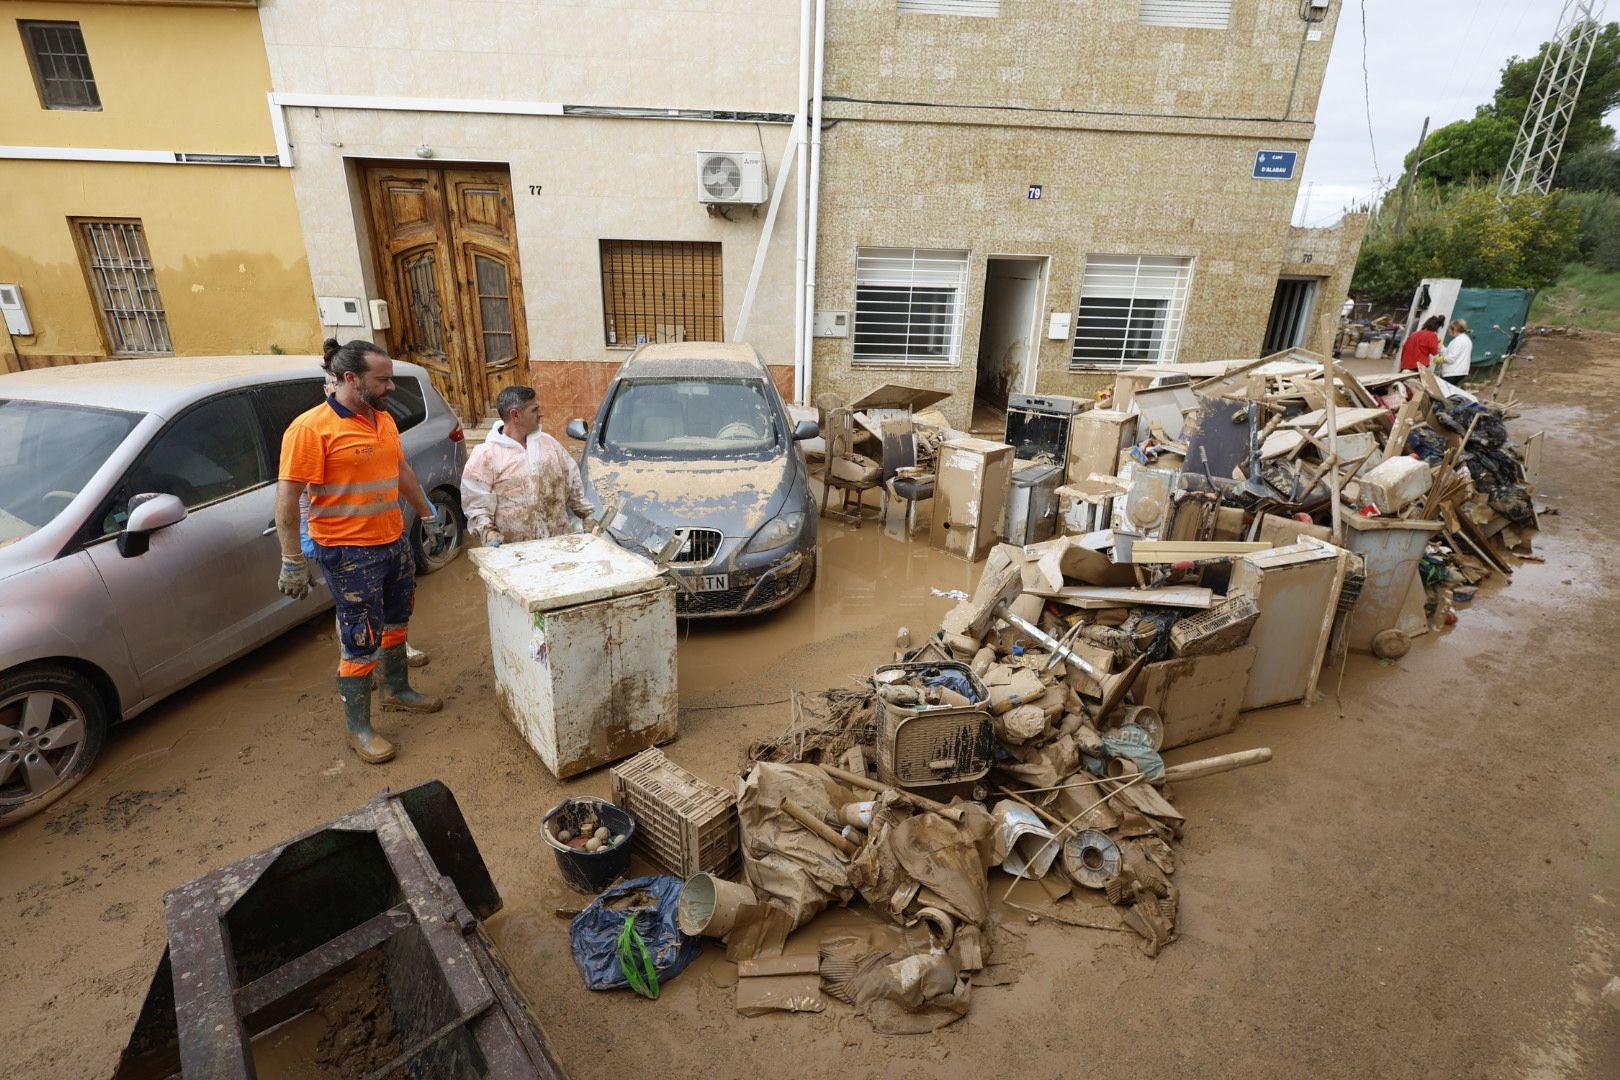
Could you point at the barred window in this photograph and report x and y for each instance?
(661, 290)
(1131, 308)
(61, 65)
(908, 305)
(119, 266)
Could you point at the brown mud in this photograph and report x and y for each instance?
(1424, 882)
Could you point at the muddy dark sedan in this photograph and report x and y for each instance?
(695, 438)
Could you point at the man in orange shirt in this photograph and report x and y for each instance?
(347, 453)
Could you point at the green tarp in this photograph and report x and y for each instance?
(1495, 320)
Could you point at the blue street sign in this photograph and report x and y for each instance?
(1275, 164)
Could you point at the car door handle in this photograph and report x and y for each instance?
(270, 531)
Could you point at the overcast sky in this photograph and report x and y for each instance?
(1436, 58)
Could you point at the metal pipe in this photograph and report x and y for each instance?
(814, 195)
(1043, 638)
(800, 193)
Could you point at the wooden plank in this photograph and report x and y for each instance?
(1162, 551)
(779, 965)
(1532, 458)
(1187, 596)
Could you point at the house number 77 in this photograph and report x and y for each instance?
(534, 189)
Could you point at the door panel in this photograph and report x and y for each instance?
(446, 243)
(489, 284)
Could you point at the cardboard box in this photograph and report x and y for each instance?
(970, 497)
(1197, 697)
(1096, 439)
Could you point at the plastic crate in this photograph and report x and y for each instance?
(928, 746)
(684, 824)
(1224, 626)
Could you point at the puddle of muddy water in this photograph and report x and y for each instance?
(867, 580)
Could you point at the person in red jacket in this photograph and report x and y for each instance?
(1423, 346)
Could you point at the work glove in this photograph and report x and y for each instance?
(435, 532)
(294, 579)
(491, 536)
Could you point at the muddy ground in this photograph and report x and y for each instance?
(1424, 882)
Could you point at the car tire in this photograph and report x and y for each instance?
(39, 705)
(445, 503)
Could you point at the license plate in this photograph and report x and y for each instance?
(714, 583)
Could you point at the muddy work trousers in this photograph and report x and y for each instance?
(375, 590)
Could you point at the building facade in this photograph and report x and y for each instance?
(519, 183)
(146, 207)
(1027, 195)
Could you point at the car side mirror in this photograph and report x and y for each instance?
(148, 513)
(805, 429)
(578, 430)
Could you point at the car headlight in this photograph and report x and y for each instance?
(776, 533)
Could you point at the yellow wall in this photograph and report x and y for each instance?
(229, 257)
(230, 260)
(170, 78)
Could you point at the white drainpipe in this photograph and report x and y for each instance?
(800, 192)
(814, 196)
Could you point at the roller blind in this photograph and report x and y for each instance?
(908, 305)
(984, 9)
(1205, 14)
(1131, 310)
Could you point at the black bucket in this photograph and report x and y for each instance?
(589, 871)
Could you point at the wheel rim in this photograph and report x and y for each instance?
(452, 536)
(42, 738)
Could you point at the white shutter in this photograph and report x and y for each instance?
(984, 9)
(908, 306)
(1206, 14)
(1131, 310)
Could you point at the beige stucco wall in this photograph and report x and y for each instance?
(597, 178)
(228, 257)
(699, 54)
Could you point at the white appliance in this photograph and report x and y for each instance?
(582, 633)
(732, 177)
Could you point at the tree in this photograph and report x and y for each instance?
(1467, 151)
(1591, 168)
(1520, 242)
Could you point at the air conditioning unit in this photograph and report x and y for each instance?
(731, 177)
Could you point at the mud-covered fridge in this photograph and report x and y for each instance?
(582, 634)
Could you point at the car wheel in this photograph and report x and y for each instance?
(445, 504)
(52, 726)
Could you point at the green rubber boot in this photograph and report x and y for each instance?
(372, 748)
(396, 684)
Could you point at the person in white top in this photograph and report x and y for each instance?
(1459, 354)
(1349, 308)
(520, 484)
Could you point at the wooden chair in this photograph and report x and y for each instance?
(838, 429)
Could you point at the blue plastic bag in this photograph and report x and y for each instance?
(594, 934)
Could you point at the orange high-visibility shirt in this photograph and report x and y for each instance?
(352, 468)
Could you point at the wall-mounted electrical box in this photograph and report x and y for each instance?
(15, 311)
(831, 324)
(340, 311)
(1057, 327)
(379, 315)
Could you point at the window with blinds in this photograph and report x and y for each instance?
(1131, 308)
(908, 305)
(984, 9)
(119, 266)
(1200, 14)
(661, 290)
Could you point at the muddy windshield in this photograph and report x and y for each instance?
(681, 416)
(48, 452)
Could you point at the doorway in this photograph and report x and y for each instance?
(444, 242)
(1292, 307)
(1007, 335)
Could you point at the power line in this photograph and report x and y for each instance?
(1366, 94)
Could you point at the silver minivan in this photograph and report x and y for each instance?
(137, 538)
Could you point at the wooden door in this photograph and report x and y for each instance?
(445, 244)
